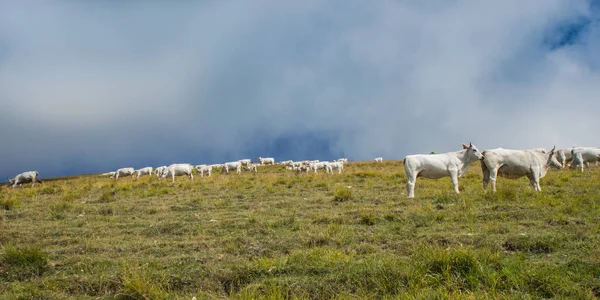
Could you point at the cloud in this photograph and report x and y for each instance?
(88, 87)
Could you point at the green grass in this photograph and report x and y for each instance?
(276, 235)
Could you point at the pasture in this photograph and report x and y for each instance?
(279, 235)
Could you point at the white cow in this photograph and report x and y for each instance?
(319, 165)
(25, 177)
(266, 160)
(583, 156)
(205, 169)
(252, 168)
(159, 170)
(177, 170)
(379, 159)
(285, 162)
(564, 156)
(302, 169)
(245, 162)
(124, 172)
(344, 160)
(335, 165)
(514, 164)
(233, 165)
(435, 166)
(144, 171)
(111, 174)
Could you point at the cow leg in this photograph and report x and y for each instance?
(486, 178)
(587, 165)
(410, 185)
(493, 175)
(191, 176)
(454, 178)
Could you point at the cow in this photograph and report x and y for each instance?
(111, 174)
(302, 169)
(319, 165)
(435, 166)
(563, 156)
(245, 162)
(124, 172)
(252, 168)
(335, 165)
(344, 160)
(159, 170)
(234, 165)
(379, 159)
(583, 156)
(285, 162)
(266, 160)
(144, 171)
(25, 177)
(177, 170)
(514, 164)
(205, 169)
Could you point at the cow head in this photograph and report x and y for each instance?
(11, 182)
(473, 152)
(552, 161)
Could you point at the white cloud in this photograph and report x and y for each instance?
(186, 80)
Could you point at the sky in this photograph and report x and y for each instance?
(92, 86)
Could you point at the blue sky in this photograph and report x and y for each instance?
(90, 87)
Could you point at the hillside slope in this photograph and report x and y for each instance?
(279, 235)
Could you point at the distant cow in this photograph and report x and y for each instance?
(563, 156)
(159, 170)
(379, 159)
(124, 172)
(245, 161)
(205, 169)
(266, 160)
(514, 164)
(25, 177)
(252, 168)
(335, 165)
(111, 174)
(319, 165)
(177, 170)
(583, 156)
(233, 165)
(144, 171)
(435, 166)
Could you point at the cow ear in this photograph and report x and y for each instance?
(465, 146)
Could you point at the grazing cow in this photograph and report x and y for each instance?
(564, 156)
(266, 160)
(583, 156)
(25, 177)
(144, 171)
(302, 169)
(177, 170)
(252, 168)
(245, 162)
(379, 159)
(205, 169)
(199, 167)
(111, 174)
(514, 164)
(234, 165)
(319, 165)
(285, 162)
(335, 165)
(124, 172)
(344, 160)
(435, 166)
(159, 170)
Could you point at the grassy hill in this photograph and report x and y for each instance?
(278, 235)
